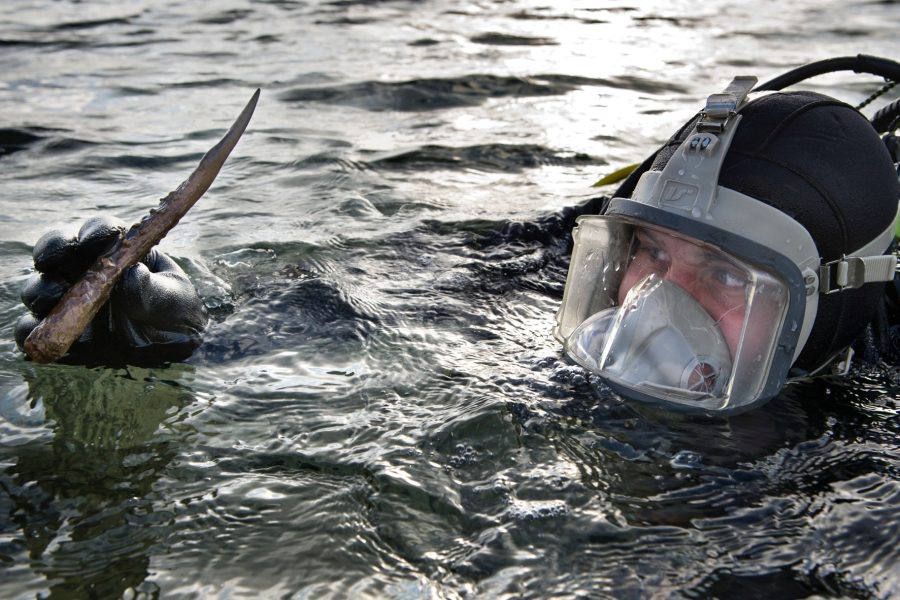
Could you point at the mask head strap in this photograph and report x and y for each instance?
(720, 108)
(689, 181)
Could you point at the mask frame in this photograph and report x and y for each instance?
(600, 260)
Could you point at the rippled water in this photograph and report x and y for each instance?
(379, 409)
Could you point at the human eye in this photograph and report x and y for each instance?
(647, 248)
(728, 277)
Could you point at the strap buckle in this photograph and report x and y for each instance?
(721, 107)
(851, 272)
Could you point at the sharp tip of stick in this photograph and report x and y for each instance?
(244, 118)
(254, 99)
(221, 150)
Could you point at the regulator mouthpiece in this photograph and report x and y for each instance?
(659, 339)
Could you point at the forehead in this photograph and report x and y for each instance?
(679, 246)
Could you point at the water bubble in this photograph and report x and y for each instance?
(464, 454)
(532, 510)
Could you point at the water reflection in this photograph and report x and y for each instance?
(84, 502)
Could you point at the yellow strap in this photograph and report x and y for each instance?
(617, 175)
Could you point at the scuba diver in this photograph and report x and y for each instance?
(754, 248)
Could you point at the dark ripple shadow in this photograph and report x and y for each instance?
(347, 21)
(40, 37)
(62, 44)
(525, 15)
(50, 141)
(434, 94)
(92, 23)
(424, 42)
(225, 17)
(504, 238)
(486, 157)
(319, 319)
(219, 83)
(80, 44)
(17, 139)
(105, 164)
(680, 22)
(783, 582)
(126, 90)
(506, 39)
(327, 160)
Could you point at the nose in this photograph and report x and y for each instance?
(685, 276)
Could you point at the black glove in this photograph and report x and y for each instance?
(153, 316)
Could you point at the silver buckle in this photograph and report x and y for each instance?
(721, 107)
(828, 274)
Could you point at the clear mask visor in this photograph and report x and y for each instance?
(667, 317)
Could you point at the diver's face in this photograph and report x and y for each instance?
(715, 282)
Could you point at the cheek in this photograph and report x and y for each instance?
(632, 275)
(758, 339)
(731, 325)
(729, 315)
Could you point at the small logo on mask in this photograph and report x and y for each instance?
(682, 196)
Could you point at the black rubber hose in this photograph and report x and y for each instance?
(886, 118)
(861, 63)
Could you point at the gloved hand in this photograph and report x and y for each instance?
(153, 316)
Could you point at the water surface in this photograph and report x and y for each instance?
(379, 409)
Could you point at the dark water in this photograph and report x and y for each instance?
(379, 409)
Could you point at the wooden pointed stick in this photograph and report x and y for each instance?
(51, 339)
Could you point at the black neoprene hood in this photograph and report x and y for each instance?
(820, 162)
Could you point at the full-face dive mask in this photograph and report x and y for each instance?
(660, 338)
(698, 295)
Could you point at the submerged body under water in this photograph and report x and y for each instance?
(379, 408)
